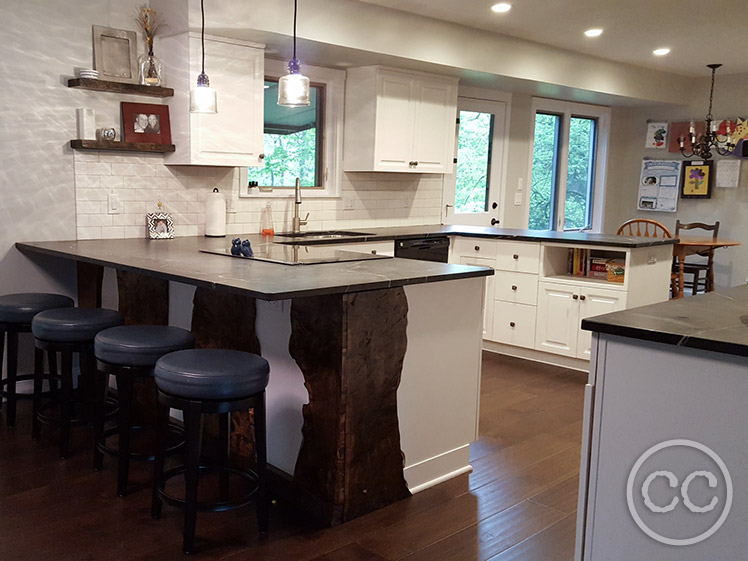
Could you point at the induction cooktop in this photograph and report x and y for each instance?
(299, 254)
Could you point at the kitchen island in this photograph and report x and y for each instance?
(375, 364)
(666, 399)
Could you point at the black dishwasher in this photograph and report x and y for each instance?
(425, 249)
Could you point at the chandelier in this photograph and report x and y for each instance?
(701, 146)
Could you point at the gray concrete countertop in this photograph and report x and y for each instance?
(180, 259)
(716, 321)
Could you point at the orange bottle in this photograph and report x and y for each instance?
(266, 221)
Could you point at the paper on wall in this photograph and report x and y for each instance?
(659, 185)
(656, 135)
(728, 174)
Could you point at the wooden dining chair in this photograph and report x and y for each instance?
(644, 227)
(695, 268)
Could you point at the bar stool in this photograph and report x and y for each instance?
(210, 381)
(67, 331)
(16, 313)
(129, 352)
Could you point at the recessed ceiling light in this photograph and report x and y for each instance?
(661, 52)
(593, 32)
(501, 7)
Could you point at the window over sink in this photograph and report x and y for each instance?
(304, 142)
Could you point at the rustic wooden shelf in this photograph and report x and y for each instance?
(80, 144)
(119, 87)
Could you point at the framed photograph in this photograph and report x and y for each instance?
(160, 225)
(697, 180)
(145, 122)
(115, 54)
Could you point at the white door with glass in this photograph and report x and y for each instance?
(568, 166)
(473, 193)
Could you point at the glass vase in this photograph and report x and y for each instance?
(151, 70)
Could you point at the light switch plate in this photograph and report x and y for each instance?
(517, 199)
(113, 203)
(348, 203)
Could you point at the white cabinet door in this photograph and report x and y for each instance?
(594, 302)
(521, 288)
(488, 301)
(233, 136)
(395, 118)
(514, 324)
(435, 114)
(558, 318)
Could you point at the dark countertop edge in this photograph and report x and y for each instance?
(574, 238)
(339, 289)
(690, 341)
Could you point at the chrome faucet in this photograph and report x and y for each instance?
(297, 222)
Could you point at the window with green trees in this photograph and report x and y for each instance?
(575, 180)
(472, 180)
(292, 142)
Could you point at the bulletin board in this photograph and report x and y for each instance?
(659, 185)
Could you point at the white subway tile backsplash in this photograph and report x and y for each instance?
(89, 233)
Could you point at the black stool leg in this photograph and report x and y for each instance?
(162, 432)
(66, 403)
(194, 433)
(223, 458)
(37, 403)
(2, 355)
(125, 390)
(99, 414)
(263, 498)
(12, 373)
(52, 360)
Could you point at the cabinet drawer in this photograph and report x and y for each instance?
(514, 324)
(376, 248)
(475, 247)
(521, 257)
(521, 288)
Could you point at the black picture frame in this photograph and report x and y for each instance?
(697, 179)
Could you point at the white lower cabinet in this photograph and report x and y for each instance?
(488, 308)
(514, 324)
(561, 308)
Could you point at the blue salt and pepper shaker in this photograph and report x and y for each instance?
(247, 249)
(236, 246)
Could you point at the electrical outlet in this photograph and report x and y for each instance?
(651, 259)
(520, 183)
(349, 203)
(517, 199)
(231, 205)
(113, 203)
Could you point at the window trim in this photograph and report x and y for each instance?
(332, 134)
(566, 110)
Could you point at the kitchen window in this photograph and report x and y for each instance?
(568, 166)
(304, 142)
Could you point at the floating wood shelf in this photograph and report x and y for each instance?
(80, 144)
(119, 87)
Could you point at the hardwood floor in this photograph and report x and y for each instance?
(518, 504)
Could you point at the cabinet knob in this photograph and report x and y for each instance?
(477, 248)
(575, 296)
(373, 251)
(261, 156)
(514, 287)
(515, 256)
(412, 163)
(582, 297)
(511, 324)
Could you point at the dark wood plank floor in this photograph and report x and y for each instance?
(518, 504)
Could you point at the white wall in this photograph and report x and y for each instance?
(729, 206)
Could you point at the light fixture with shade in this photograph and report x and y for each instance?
(701, 145)
(293, 88)
(203, 98)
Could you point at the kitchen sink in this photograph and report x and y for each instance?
(322, 234)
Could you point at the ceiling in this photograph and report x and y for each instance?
(698, 32)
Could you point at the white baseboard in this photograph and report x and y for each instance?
(433, 471)
(537, 356)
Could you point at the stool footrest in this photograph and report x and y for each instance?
(176, 432)
(215, 506)
(28, 378)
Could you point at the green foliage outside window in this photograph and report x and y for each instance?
(288, 156)
(473, 161)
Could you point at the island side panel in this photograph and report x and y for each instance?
(350, 349)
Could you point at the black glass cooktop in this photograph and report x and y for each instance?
(299, 254)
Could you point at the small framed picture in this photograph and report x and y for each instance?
(145, 122)
(160, 225)
(696, 182)
(115, 54)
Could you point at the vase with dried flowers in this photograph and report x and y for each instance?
(151, 68)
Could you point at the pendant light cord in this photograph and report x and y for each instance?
(202, 33)
(295, 8)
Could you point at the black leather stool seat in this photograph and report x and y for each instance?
(22, 307)
(73, 325)
(140, 345)
(215, 374)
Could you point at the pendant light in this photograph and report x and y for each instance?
(293, 88)
(203, 98)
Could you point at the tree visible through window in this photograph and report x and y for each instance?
(473, 161)
(292, 142)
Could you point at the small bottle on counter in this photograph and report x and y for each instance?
(266, 221)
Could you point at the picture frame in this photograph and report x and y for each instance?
(697, 179)
(115, 54)
(160, 225)
(145, 122)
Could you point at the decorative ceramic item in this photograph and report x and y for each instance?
(107, 134)
(151, 70)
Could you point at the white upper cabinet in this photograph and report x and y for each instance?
(233, 136)
(399, 121)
